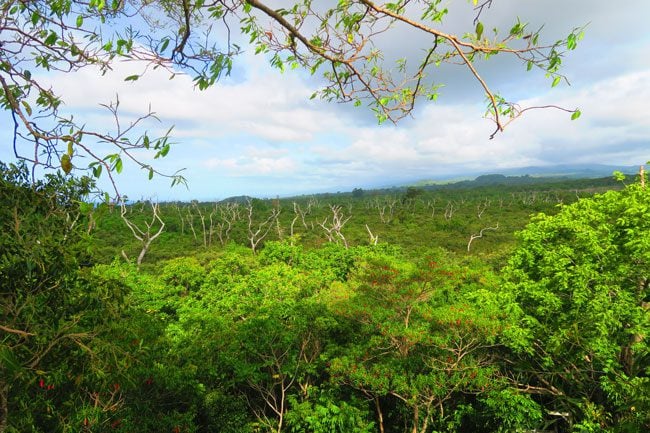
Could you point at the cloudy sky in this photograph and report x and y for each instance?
(257, 132)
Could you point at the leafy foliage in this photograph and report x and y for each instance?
(582, 278)
(302, 337)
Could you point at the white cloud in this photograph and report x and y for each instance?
(253, 166)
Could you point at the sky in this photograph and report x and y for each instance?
(257, 132)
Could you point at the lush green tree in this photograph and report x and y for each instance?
(581, 277)
(424, 344)
(74, 353)
(58, 317)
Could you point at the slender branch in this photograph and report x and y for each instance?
(16, 331)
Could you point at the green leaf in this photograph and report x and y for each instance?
(66, 163)
(132, 78)
(571, 42)
(556, 81)
(479, 30)
(80, 20)
(9, 360)
(118, 166)
(28, 109)
(51, 39)
(164, 45)
(575, 115)
(150, 174)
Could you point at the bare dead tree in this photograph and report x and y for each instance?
(195, 205)
(479, 235)
(388, 205)
(229, 214)
(147, 234)
(313, 202)
(350, 203)
(373, 238)
(255, 236)
(180, 217)
(293, 222)
(279, 229)
(449, 210)
(333, 230)
(480, 208)
(432, 205)
(642, 176)
(212, 219)
(190, 222)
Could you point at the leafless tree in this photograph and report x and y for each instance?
(449, 210)
(195, 205)
(479, 235)
(212, 219)
(147, 234)
(432, 205)
(229, 214)
(258, 233)
(373, 238)
(180, 217)
(190, 222)
(333, 229)
(387, 205)
(481, 207)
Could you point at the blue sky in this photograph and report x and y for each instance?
(258, 133)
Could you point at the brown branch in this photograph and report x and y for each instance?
(16, 331)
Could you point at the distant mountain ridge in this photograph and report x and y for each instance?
(572, 171)
(563, 171)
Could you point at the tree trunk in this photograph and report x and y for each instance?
(416, 418)
(4, 406)
(380, 416)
